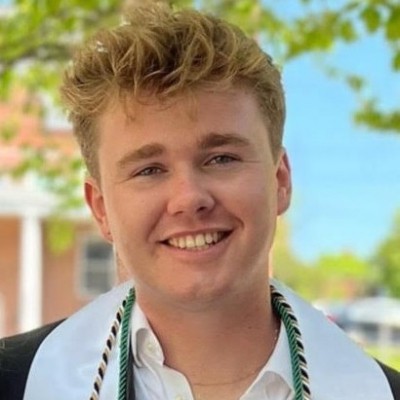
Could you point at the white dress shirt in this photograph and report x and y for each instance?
(66, 363)
(156, 381)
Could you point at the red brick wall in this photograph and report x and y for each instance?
(61, 296)
(9, 266)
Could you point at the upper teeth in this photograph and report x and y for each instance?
(195, 241)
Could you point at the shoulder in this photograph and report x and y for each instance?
(16, 355)
(393, 378)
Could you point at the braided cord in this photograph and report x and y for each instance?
(298, 360)
(124, 346)
(122, 321)
(123, 313)
(110, 343)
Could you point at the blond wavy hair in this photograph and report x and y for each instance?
(164, 53)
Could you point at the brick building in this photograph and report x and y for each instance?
(38, 285)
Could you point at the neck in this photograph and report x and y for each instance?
(217, 345)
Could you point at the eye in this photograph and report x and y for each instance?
(149, 171)
(222, 159)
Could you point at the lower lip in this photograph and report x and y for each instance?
(201, 255)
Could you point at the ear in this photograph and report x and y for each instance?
(284, 183)
(95, 200)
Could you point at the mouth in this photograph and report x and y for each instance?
(198, 241)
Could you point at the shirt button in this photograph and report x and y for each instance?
(150, 347)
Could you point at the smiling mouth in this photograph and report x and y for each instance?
(200, 241)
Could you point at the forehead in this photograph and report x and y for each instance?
(181, 127)
(234, 107)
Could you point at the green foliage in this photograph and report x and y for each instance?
(38, 38)
(8, 130)
(286, 267)
(355, 82)
(389, 356)
(387, 260)
(343, 275)
(392, 28)
(345, 265)
(316, 33)
(334, 276)
(396, 61)
(339, 276)
(370, 115)
(371, 18)
(60, 234)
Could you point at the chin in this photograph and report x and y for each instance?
(203, 295)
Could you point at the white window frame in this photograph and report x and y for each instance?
(87, 267)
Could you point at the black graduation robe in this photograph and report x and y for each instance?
(17, 352)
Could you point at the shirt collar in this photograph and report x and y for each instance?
(338, 368)
(145, 344)
(280, 362)
(278, 366)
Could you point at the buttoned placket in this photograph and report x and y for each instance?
(154, 380)
(173, 385)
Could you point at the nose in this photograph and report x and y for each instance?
(190, 195)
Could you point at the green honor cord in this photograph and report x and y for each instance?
(124, 346)
(297, 357)
(280, 306)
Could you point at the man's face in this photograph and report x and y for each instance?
(189, 194)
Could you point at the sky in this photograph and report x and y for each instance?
(346, 179)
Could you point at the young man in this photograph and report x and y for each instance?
(180, 117)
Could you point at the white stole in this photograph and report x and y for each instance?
(338, 368)
(65, 365)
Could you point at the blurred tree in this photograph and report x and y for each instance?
(286, 267)
(334, 276)
(37, 38)
(343, 276)
(387, 260)
(348, 21)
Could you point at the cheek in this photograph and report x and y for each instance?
(258, 194)
(132, 216)
(260, 203)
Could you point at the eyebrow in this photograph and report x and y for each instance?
(145, 152)
(214, 139)
(209, 141)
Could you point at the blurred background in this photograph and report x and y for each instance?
(338, 246)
